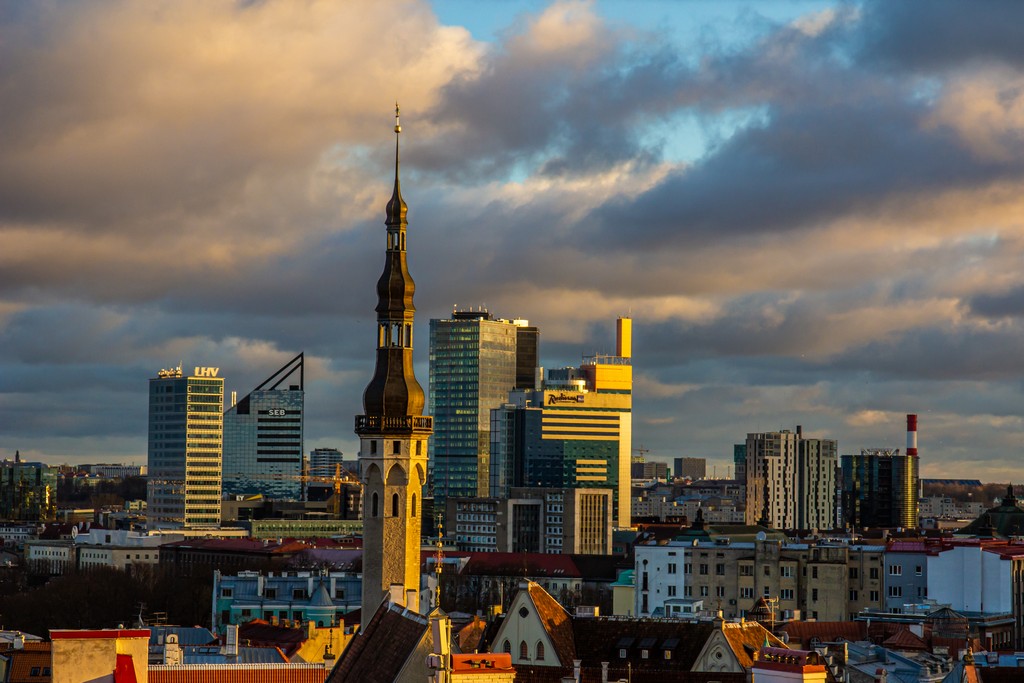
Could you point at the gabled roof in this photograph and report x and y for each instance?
(469, 636)
(747, 638)
(379, 652)
(904, 639)
(23, 662)
(557, 622)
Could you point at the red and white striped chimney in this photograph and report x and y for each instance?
(912, 435)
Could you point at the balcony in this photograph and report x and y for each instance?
(403, 424)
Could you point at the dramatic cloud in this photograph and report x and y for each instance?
(814, 217)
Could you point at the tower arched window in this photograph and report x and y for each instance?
(394, 504)
(506, 647)
(412, 513)
(373, 506)
(540, 651)
(524, 651)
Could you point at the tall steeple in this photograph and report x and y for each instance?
(393, 431)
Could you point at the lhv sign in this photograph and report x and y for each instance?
(206, 372)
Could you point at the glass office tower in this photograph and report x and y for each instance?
(263, 438)
(185, 441)
(475, 361)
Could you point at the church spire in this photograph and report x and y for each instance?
(397, 208)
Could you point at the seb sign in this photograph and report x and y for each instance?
(206, 372)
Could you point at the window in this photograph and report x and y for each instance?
(226, 592)
(373, 447)
(394, 504)
(918, 570)
(643, 654)
(853, 596)
(704, 570)
(720, 591)
(703, 591)
(298, 594)
(854, 573)
(767, 592)
(506, 647)
(687, 591)
(895, 570)
(413, 511)
(671, 568)
(814, 572)
(746, 570)
(687, 568)
(622, 654)
(373, 505)
(747, 592)
(895, 591)
(786, 594)
(396, 447)
(270, 593)
(814, 595)
(873, 573)
(671, 591)
(524, 652)
(874, 596)
(540, 651)
(786, 572)
(719, 570)
(767, 570)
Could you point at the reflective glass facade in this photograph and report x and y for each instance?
(474, 365)
(28, 491)
(185, 442)
(263, 445)
(880, 489)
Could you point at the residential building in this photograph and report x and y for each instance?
(475, 361)
(576, 432)
(648, 470)
(263, 437)
(771, 479)
(115, 548)
(535, 520)
(826, 581)
(185, 443)
(293, 597)
(28, 491)
(815, 482)
(392, 431)
(906, 573)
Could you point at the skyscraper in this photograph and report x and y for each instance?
(28, 491)
(185, 439)
(574, 433)
(816, 462)
(475, 361)
(393, 431)
(880, 485)
(263, 437)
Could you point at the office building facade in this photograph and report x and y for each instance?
(186, 426)
(690, 468)
(576, 432)
(534, 520)
(263, 438)
(28, 491)
(475, 361)
(880, 485)
(324, 462)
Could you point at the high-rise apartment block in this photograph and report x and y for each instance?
(263, 438)
(576, 432)
(323, 462)
(880, 485)
(186, 426)
(475, 361)
(790, 480)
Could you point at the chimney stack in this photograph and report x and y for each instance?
(912, 435)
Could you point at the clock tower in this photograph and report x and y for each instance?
(393, 431)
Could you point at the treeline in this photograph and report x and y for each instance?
(986, 493)
(73, 492)
(105, 597)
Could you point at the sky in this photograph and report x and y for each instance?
(811, 210)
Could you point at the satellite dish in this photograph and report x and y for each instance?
(761, 536)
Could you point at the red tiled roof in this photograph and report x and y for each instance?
(747, 638)
(557, 623)
(22, 662)
(802, 632)
(497, 663)
(238, 673)
(522, 564)
(904, 639)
